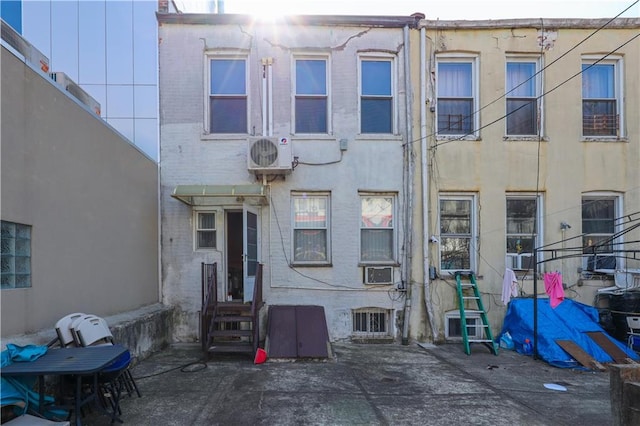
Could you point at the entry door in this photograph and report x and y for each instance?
(250, 250)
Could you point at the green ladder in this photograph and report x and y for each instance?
(486, 338)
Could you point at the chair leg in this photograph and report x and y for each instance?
(128, 378)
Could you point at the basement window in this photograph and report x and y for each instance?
(371, 322)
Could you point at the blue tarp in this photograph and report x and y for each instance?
(570, 320)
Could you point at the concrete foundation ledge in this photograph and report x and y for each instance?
(143, 331)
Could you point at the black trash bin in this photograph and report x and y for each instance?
(622, 306)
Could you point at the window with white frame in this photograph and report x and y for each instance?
(311, 95)
(377, 228)
(456, 84)
(311, 230)
(371, 322)
(521, 97)
(376, 95)
(601, 97)
(15, 255)
(457, 217)
(599, 214)
(228, 101)
(523, 221)
(205, 230)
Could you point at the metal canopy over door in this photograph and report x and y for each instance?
(250, 247)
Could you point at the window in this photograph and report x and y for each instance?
(457, 232)
(311, 228)
(371, 322)
(599, 227)
(228, 96)
(15, 255)
(376, 98)
(601, 94)
(377, 236)
(522, 105)
(205, 230)
(522, 234)
(455, 79)
(311, 96)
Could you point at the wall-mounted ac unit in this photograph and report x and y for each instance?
(600, 263)
(269, 155)
(70, 86)
(378, 275)
(522, 261)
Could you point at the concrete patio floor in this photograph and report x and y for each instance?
(386, 384)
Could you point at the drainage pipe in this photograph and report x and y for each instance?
(425, 184)
(408, 188)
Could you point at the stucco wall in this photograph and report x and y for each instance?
(90, 197)
(563, 166)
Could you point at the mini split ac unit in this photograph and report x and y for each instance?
(269, 155)
(378, 275)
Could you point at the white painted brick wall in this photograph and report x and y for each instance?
(187, 158)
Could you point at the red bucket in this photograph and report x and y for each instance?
(261, 356)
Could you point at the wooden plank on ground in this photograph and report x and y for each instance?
(579, 354)
(610, 348)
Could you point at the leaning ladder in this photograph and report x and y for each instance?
(487, 337)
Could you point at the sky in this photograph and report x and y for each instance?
(442, 9)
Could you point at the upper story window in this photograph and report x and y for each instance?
(228, 96)
(15, 255)
(457, 232)
(523, 221)
(311, 230)
(601, 97)
(205, 230)
(377, 228)
(311, 95)
(521, 97)
(376, 95)
(457, 96)
(599, 213)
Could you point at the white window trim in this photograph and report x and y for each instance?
(618, 73)
(618, 202)
(538, 93)
(310, 56)
(209, 56)
(195, 229)
(311, 194)
(474, 59)
(395, 228)
(394, 90)
(473, 256)
(539, 240)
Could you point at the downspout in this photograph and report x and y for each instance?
(425, 183)
(408, 241)
(270, 91)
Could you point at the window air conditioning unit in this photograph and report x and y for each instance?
(269, 155)
(70, 86)
(522, 261)
(601, 263)
(453, 329)
(378, 275)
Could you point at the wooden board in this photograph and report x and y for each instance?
(579, 354)
(609, 347)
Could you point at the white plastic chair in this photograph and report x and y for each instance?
(634, 331)
(65, 331)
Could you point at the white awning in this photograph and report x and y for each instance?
(211, 195)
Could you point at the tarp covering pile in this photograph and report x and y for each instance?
(570, 320)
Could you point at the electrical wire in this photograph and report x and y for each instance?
(184, 368)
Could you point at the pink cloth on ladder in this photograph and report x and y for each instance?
(553, 287)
